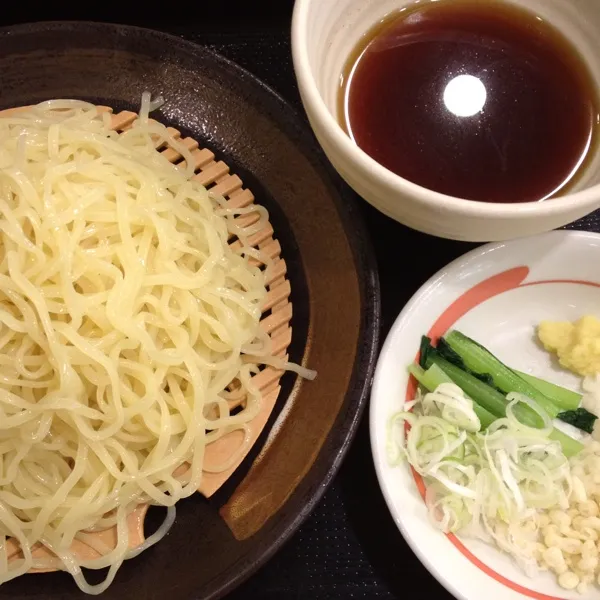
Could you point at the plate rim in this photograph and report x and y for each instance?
(416, 298)
(294, 124)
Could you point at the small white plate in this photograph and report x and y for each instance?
(496, 294)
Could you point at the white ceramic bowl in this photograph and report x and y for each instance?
(324, 32)
(495, 294)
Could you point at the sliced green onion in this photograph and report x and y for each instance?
(486, 483)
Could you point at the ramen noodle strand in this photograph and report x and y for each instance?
(125, 317)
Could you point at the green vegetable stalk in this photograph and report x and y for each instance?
(434, 376)
(563, 398)
(556, 401)
(489, 399)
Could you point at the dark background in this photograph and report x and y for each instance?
(350, 547)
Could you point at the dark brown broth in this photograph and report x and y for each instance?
(402, 95)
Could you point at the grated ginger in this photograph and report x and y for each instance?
(576, 345)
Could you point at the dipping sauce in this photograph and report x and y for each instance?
(476, 99)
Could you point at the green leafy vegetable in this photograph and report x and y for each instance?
(484, 379)
(487, 397)
(447, 352)
(424, 349)
(479, 359)
(434, 377)
(562, 397)
(580, 418)
(494, 403)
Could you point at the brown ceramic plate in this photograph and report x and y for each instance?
(217, 543)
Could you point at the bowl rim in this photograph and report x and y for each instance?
(317, 109)
(294, 125)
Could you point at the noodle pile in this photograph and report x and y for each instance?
(125, 317)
